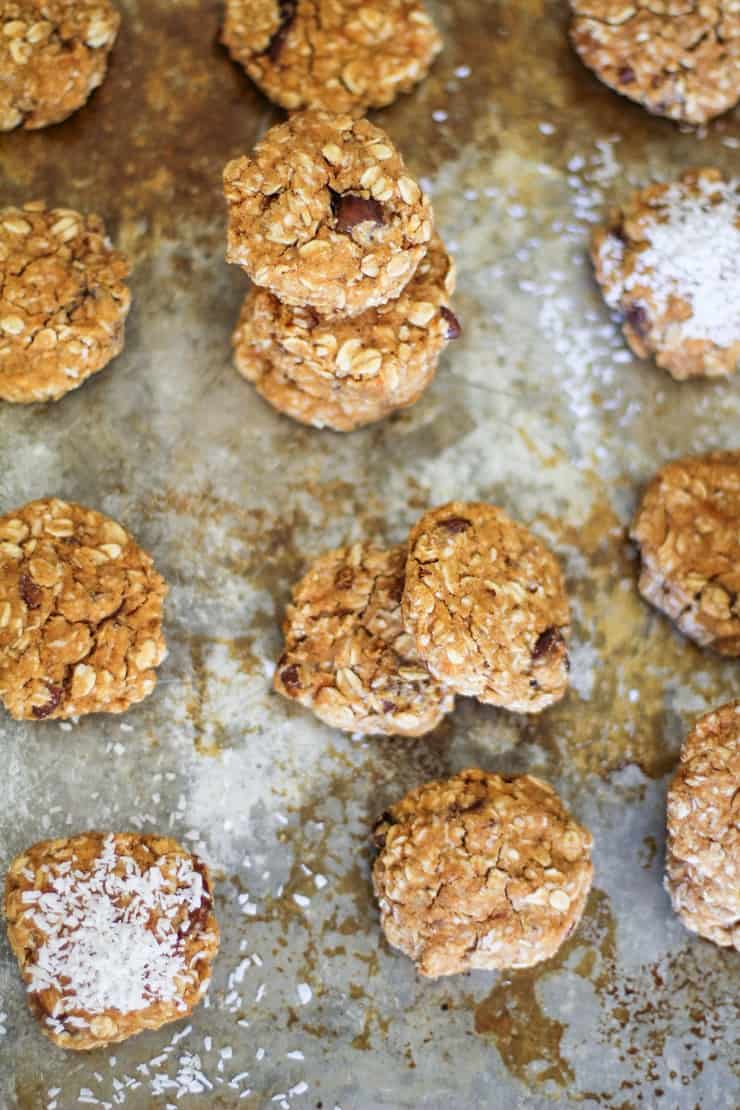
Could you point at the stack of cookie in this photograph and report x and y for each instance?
(351, 308)
(380, 641)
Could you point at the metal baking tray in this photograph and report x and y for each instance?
(540, 408)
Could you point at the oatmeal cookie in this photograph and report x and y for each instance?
(677, 58)
(669, 263)
(703, 851)
(486, 605)
(340, 373)
(340, 55)
(63, 301)
(688, 531)
(480, 871)
(326, 215)
(346, 654)
(113, 934)
(80, 613)
(53, 54)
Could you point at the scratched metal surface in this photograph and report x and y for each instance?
(538, 408)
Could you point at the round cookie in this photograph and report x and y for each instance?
(344, 372)
(53, 54)
(480, 871)
(339, 55)
(63, 301)
(113, 934)
(485, 603)
(688, 531)
(703, 851)
(669, 263)
(346, 654)
(677, 59)
(325, 214)
(80, 613)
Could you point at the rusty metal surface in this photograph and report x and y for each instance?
(539, 408)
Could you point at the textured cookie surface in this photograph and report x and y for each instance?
(344, 373)
(326, 215)
(347, 656)
(53, 54)
(703, 852)
(479, 871)
(341, 55)
(678, 58)
(113, 934)
(486, 605)
(63, 301)
(80, 613)
(688, 531)
(669, 263)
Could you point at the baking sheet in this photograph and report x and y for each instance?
(539, 408)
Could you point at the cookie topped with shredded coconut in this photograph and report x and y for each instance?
(678, 59)
(669, 262)
(113, 934)
(53, 54)
(342, 55)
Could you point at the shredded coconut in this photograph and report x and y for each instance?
(100, 952)
(693, 253)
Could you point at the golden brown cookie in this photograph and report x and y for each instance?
(347, 657)
(340, 55)
(485, 603)
(63, 301)
(80, 613)
(113, 933)
(53, 54)
(326, 215)
(703, 852)
(677, 58)
(669, 263)
(688, 531)
(480, 871)
(341, 373)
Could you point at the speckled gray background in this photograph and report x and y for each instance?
(540, 408)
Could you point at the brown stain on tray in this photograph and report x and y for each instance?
(512, 1017)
